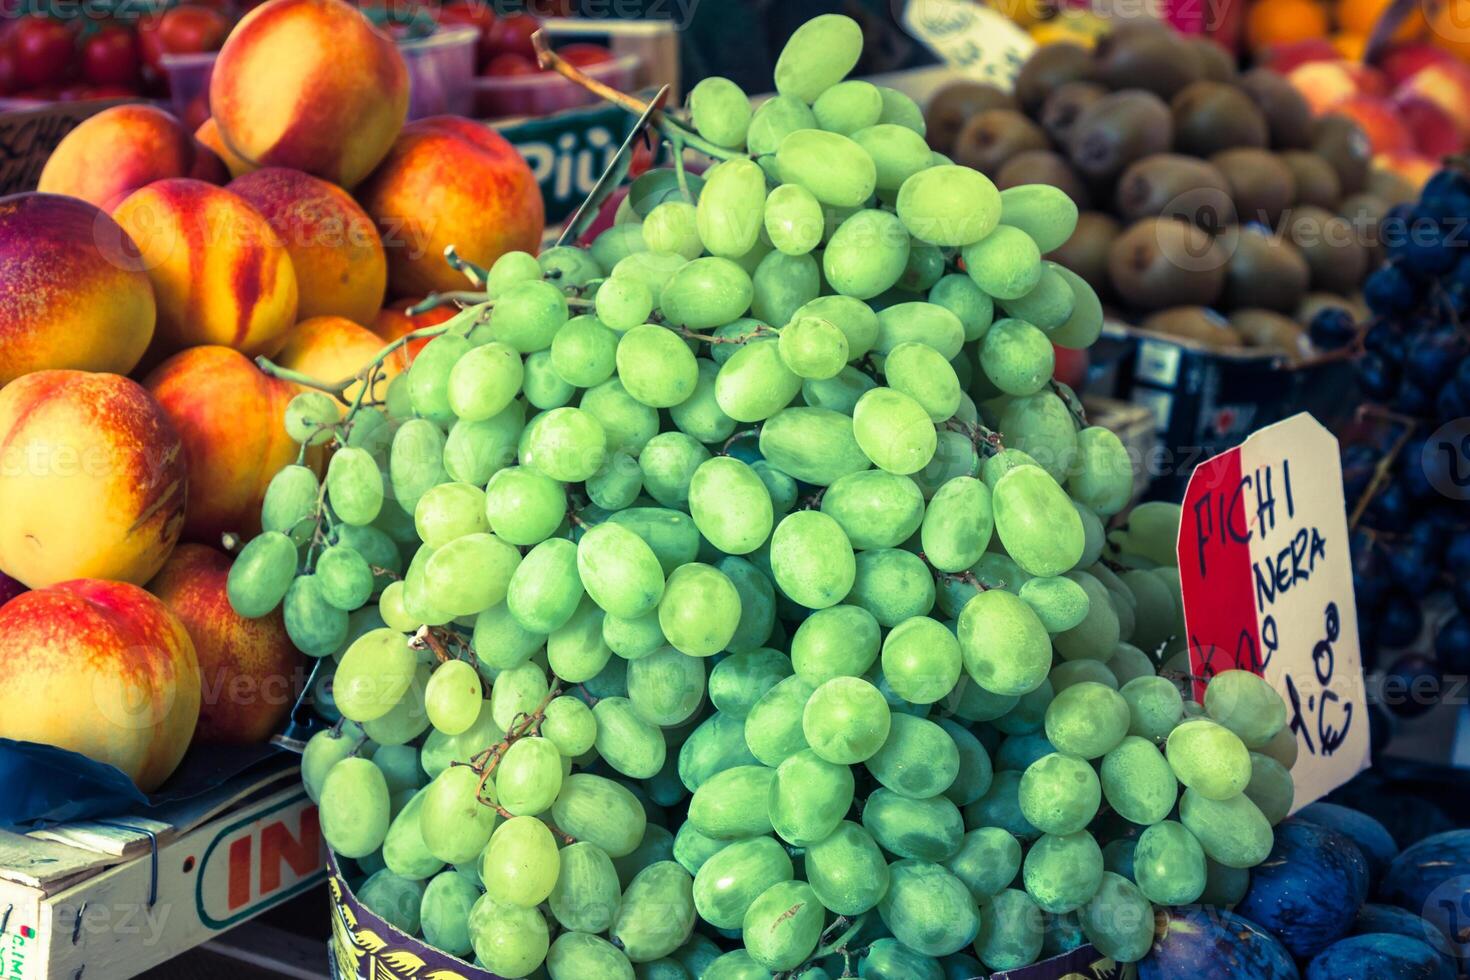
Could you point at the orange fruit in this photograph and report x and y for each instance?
(1350, 46)
(1284, 21)
(1361, 16)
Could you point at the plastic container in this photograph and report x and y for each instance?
(440, 69)
(545, 93)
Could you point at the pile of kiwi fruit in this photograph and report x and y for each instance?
(1213, 205)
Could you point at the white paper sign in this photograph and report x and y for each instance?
(1268, 587)
(978, 41)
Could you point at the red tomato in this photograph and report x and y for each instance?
(112, 57)
(512, 35)
(190, 29)
(506, 65)
(150, 43)
(583, 55)
(43, 50)
(471, 13)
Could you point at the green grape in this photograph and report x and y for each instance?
(1059, 602)
(621, 304)
(509, 940)
(734, 876)
(840, 393)
(1063, 871)
(500, 642)
(812, 560)
(672, 228)
(449, 511)
(653, 269)
(416, 462)
(1059, 794)
(1042, 211)
(471, 573)
(521, 864)
(544, 388)
(484, 381)
(310, 418)
(568, 266)
(922, 373)
(987, 861)
(1086, 321)
(814, 445)
(1016, 357)
(655, 366)
(1224, 886)
(773, 726)
(1169, 864)
(846, 870)
(671, 534)
(586, 894)
(1154, 707)
(739, 680)
(600, 811)
(343, 578)
(793, 219)
(848, 107)
(511, 268)
(569, 725)
(699, 610)
(840, 641)
(950, 206)
(628, 743)
(524, 506)
(261, 574)
(1036, 522)
(1233, 831)
(1209, 759)
(700, 415)
(729, 210)
(400, 765)
(921, 660)
(1087, 720)
(928, 909)
(454, 697)
(1005, 263)
(874, 508)
(566, 444)
(1047, 305)
(720, 112)
(404, 851)
(575, 651)
(1119, 920)
(1137, 782)
(354, 808)
(445, 910)
(354, 486)
(918, 759)
(290, 501)
(852, 316)
(544, 590)
(657, 913)
(818, 55)
(924, 267)
(924, 830)
(370, 430)
(897, 151)
(1128, 663)
(836, 170)
(396, 401)
(374, 674)
(813, 348)
(974, 309)
(714, 746)
(529, 776)
(475, 451)
(775, 119)
(632, 638)
(975, 772)
(517, 691)
(323, 751)
(1001, 807)
(406, 720)
(735, 965)
(1103, 476)
(957, 524)
(707, 292)
(395, 898)
(808, 798)
(1244, 703)
(1270, 788)
(923, 323)
(1071, 672)
(730, 505)
(782, 926)
(868, 252)
(428, 377)
(781, 284)
(668, 464)
(579, 954)
(627, 423)
(617, 484)
(1096, 637)
(755, 383)
(527, 315)
(315, 626)
(846, 720)
(1005, 647)
(732, 803)
(667, 686)
(894, 431)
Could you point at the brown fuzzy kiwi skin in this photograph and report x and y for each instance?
(1365, 212)
(1260, 184)
(1160, 262)
(1267, 330)
(1086, 252)
(1052, 65)
(1216, 64)
(1213, 116)
(1118, 129)
(1197, 323)
(1288, 116)
(954, 105)
(1333, 248)
(1178, 186)
(990, 139)
(1265, 271)
(1067, 102)
(1316, 181)
(1158, 61)
(1343, 143)
(1044, 167)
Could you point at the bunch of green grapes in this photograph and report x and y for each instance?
(732, 598)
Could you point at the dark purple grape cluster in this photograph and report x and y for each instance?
(1412, 359)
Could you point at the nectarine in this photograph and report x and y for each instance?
(330, 348)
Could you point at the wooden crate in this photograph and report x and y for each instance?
(104, 900)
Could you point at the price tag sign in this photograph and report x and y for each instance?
(977, 41)
(1268, 587)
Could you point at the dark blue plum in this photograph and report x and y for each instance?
(1390, 509)
(1377, 376)
(1372, 838)
(1434, 356)
(1432, 878)
(1308, 890)
(1427, 250)
(1446, 195)
(1399, 620)
(1401, 922)
(1452, 647)
(1379, 956)
(1391, 289)
(1201, 942)
(1413, 399)
(1332, 328)
(1414, 568)
(1412, 685)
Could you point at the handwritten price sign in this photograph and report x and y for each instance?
(1268, 587)
(977, 41)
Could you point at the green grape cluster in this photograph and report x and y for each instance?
(732, 598)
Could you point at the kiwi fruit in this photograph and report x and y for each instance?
(954, 105)
(1197, 323)
(1269, 331)
(1170, 185)
(1155, 60)
(1264, 271)
(1213, 116)
(1260, 184)
(1160, 262)
(1316, 181)
(1051, 66)
(1365, 212)
(1116, 130)
(1086, 252)
(990, 139)
(1389, 186)
(1342, 142)
(1060, 110)
(1044, 167)
(1288, 116)
(1216, 64)
(1333, 248)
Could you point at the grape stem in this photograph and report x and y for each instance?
(338, 389)
(845, 928)
(759, 330)
(485, 762)
(1384, 469)
(978, 435)
(476, 275)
